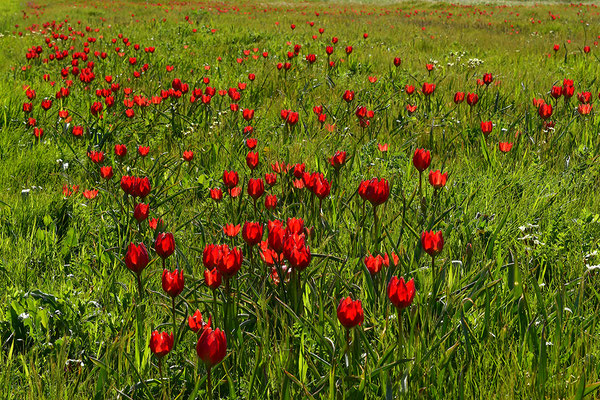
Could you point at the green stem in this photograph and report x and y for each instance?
(209, 383)
(174, 323)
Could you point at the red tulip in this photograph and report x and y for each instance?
(584, 97)
(212, 278)
(376, 191)
(256, 188)
(216, 194)
(120, 150)
(318, 185)
(401, 294)
(196, 323)
(472, 99)
(141, 211)
(486, 127)
(212, 346)
(296, 251)
(230, 261)
(350, 312)
(421, 159)
(505, 147)
(338, 159)
(230, 179)
(556, 91)
(97, 157)
(373, 263)
(231, 230)
(136, 257)
(568, 91)
(459, 97)
(428, 88)
(538, 102)
(397, 61)
(437, 179)
(188, 155)
(90, 194)
(348, 96)
(251, 143)
(77, 131)
(276, 236)
(487, 78)
(432, 242)
(161, 343)
(164, 245)
(545, 111)
(299, 170)
(252, 160)
(252, 233)
(584, 109)
(248, 114)
(271, 202)
(173, 282)
(106, 172)
(271, 179)
(294, 225)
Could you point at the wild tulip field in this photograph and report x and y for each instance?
(268, 200)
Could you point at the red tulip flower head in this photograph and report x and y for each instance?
(459, 97)
(230, 179)
(296, 251)
(173, 282)
(164, 245)
(212, 346)
(545, 111)
(486, 127)
(230, 261)
(161, 343)
(437, 179)
(432, 242)
(350, 312)
(373, 263)
(252, 160)
(377, 191)
(136, 258)
(196, 323)
(256, 188)
(421, 159)
(401, 294)
(252, 233)
(505, 147)
(140, 213)
(338, 159)
(212, 278)
(216, 194)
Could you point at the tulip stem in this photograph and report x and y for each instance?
(209, 383)
(139, 284)
(227, 307)
(347, 339)
(420, 185)
(214, 310)
(174, 323)
(375, 222)
(400, 331)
